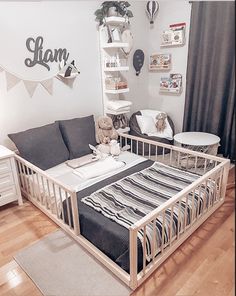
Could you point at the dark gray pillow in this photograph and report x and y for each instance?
(78, 133)
(42, 146)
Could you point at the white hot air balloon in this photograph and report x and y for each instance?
(127, 37)
(151, 9)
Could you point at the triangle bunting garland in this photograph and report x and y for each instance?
(12, 80)
(48, 85)
(30, 86)
(67, 74)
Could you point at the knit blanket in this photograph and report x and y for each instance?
(131, 198)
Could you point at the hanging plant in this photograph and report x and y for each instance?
(113, 8)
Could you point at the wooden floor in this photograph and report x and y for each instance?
(202, 266)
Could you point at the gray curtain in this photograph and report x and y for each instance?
(210, 88)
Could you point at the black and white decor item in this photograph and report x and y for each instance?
(152, 8)
(138, 60)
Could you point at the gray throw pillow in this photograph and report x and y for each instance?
(78, 133)
(42, 146)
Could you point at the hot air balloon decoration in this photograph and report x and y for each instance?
(127, 37)
(138, 60)
(152, 8)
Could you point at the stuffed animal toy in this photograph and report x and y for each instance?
(120, 121)
(105, 131)
(161, 121)
(112, 148)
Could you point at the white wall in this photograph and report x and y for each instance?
(138, 85)
(170, 12)
(65, 24)
(71, 25)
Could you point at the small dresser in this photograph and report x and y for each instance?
(9, 182)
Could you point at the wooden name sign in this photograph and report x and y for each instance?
(42, 57)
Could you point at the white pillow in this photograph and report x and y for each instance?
(149, 112)
(146, 124)
(167, 133)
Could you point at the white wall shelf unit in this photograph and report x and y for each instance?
(113, 65)
(115, 20)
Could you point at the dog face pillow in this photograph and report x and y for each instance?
(105, 131)
(161, 121)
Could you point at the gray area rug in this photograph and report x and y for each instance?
(60, 267)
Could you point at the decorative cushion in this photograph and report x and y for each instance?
(135, 131)
(78, 133)
(167, 133)
(146, 124)
(42, 146)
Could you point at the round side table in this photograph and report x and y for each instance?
(198, 141)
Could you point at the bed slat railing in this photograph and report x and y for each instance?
(172, 222)
(56, 198)
(189, 160)
(189, 208)
(133, 254)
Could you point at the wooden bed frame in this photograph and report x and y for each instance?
(213, 170)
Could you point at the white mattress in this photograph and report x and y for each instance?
(64, 173)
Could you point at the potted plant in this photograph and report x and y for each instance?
(113, 8)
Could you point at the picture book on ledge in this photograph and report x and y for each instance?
(171, 84)
(160, 61)
(174, 36)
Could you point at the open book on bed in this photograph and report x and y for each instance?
(81, 161)
(100, 168)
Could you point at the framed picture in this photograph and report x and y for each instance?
(160, 61)
(115, 33)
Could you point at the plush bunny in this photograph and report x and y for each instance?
(161, 121)
(112, 148)
(120, 121)
(105, 131)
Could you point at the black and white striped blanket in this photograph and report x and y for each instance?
(131, 198)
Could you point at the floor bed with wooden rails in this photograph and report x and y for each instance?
(179, 190)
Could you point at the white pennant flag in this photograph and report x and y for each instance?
(48, 85)
(30, 86)
(12, 80)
